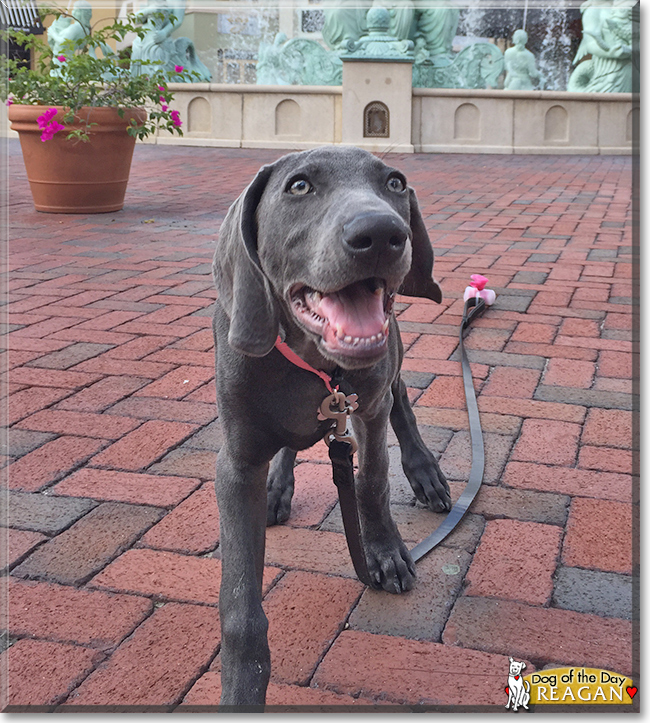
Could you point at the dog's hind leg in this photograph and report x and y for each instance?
(279, 487)
(419, 464)
(245, 657)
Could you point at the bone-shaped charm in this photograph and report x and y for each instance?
(339, 407)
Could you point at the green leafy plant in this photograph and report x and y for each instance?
(87, 72)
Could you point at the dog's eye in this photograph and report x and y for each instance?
(395, 184)
(301, 187)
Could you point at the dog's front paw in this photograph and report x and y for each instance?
(391, 566)
(427, 480)
(278, 504)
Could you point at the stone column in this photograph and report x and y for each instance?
(384, 83)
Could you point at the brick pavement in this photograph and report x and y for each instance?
(111, 548)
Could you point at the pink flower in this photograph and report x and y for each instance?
(162, 88)
(164, 108)
(162, 99)
(178, 68)
(176, 120)
(476, 289)
(61, 58)
(46, 117)
(10, 101)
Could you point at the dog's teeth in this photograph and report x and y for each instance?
(339, 332)
(380, 336)
(384, 327)
(379, 291)
(348, 339)
(356, 340)
(373, 339)
(316, 296)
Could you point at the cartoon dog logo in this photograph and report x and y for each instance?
(518, 689)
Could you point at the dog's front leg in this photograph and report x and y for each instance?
(245, 657)
(389, 562)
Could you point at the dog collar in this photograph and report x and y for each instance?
(336, 405)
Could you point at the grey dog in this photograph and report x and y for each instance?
(314, 251)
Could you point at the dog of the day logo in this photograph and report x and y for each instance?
(567, 686)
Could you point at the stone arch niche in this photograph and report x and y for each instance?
(631, 123)
(467, 123)
(556, 124)
(376, 120)
(199, 116)
(287, 119)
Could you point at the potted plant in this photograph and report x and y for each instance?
(79, 111)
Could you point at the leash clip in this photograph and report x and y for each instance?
(339, 407)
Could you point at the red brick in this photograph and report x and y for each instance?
(561, 636)
(552, 298)
(305, 612)
(167, 315)
(547, 442)
(516, 561)
(569, 373)
(140, 347)
(105, 484)
(39, 673)
(23, 403)
(308, 550)
(101, 395)
(183, 356)
(550, 350)
(168, 576)
(585, 293)
(580, 327)
(75, 554)
(82, 424)
(144, 445)
(167, 409)
(124, 367)
(314, 494)
(44, 328)
(50, 462)
(141, 327)
(608, 428)
(531, 408)
(444, 392)
(26, 343)
(457, 419)
(207, 692)
(430, 346)
(615, 364)
(157, 664)
(606, 459)
(207, 394)
(618, 321)
(599, 536)
(617, 345)
(202, 340)
(95, 337)
(422, 312)
(486, 339)
(411, 671)
(178, 383)
(512, 382)
(570, 481)
(16, 544)
(68, 615)
(192, 528)
(536, 333)
(109, 320)
(187, 461)
(608, 384)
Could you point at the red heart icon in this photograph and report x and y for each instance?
(507, 690)
(516, 677)
(631, 691)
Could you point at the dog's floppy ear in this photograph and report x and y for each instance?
(419, 280)
(244, 291)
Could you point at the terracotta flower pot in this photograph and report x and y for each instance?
(71, 176)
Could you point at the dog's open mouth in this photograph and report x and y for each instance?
(352, 321)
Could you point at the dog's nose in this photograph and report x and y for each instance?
(374, 233)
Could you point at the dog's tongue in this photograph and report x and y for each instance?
(355, 310)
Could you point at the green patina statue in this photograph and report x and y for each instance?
(404, 31)
(521, 72)
(68, 29)
(608, 29)
(160, 18)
